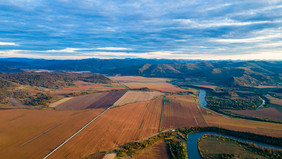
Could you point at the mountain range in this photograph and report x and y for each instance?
(225, 73)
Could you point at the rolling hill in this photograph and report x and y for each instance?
(225, 73)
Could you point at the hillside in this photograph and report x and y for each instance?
(53, 79)
(225, 73)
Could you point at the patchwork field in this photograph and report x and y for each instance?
(136, 96)
(34, 133)
(181, 111)
(91, 101)
(136, 82)
(115, 127)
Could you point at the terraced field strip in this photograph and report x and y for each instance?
(161, 123)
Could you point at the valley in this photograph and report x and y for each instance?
(41, 110)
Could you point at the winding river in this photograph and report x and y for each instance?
(192, 143)
(202, 98)
(263, 103)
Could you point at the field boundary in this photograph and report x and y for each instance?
(161, 123)
(50, 153)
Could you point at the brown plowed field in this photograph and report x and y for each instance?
(137, 78)
(34, 133)
(115, 127)
(257, 127)
(136, 82)
(91, 101)
(279, 102)
(181, 111)
(164, 87)
(269, 113)
(136, 96)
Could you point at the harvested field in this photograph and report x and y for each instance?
(279, 102)
(136, 96)
(138, 78)
(114, 128)
(181, 111)
(267, 87)
(34, 133)
(269, 113)
(136, 82)
(264, 128)
(274, 100)
(157, 151)
(59, 102)
(91, 101)
(163, 87)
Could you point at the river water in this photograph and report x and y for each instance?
(192, 143)
(263, 103)
(202, 98)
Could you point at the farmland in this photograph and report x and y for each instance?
(33, 133)
(215, 146)
(265, 128)
(181, 111)
(90, 101)
(136, 96)
(160, 84)
(272, 113)
(115, 127)
(135, 115)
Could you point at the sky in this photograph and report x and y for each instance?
(170, 29)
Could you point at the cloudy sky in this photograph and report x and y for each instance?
(172, 29)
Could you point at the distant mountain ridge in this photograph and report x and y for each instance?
(226, 73)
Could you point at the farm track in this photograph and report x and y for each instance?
(75, 134)
(114, 128)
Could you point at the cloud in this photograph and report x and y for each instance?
(113, 48)
(8, 43)
(218, 23)
(66, 50)
(139, 29)
(249, 40)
